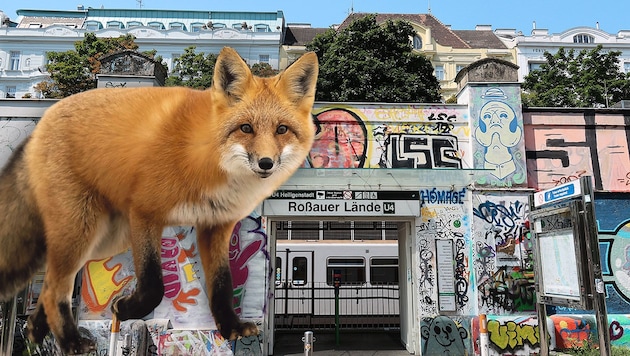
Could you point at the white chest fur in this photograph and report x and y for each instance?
(230, 202)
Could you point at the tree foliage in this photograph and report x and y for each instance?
(192, 69)
(75, 70)
(590, 78)
(372, 62)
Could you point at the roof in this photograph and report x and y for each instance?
(41, 21)
(441, 33)
(300, 36)
(480, 38)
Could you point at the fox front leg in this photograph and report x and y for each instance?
(146, 245)
(214, 243)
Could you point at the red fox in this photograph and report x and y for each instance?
(108, 169)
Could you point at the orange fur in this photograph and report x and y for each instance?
(108, 169)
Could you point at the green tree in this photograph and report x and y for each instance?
(75, 71)
(589, 78)
(192, 69)
(372, 62)
(263, 70)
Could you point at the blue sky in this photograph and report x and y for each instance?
(554, 15)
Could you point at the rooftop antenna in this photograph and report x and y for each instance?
(351, 7)
(139, 3)
(429, 6)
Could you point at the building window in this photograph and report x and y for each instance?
(14, 60)
(583, 38)
(115, 24)
(11, 91)
(417, 42)
(177, 26)
(459, 67)
(626, 67)
(218, 25)
(263, 58)
(439, 72)
(534, 66)
(156, 25)
(34, 25)
(131, 24)
(261, 28)
(93, 25)
(196, 27)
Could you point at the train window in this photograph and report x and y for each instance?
(352, 270)
(299, 271)
(384, 271)
(278, 271)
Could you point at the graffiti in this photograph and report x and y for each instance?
(510, 290)
(499, 131)
(594, 146)
(569, 178)
(442, 117)
(115, 85)
(340, 140)
(485, 260)
(420, 151)
(572, 331)
(506, 218)
(241, 254)
(461, 274)
(193, 343)
(435, 196)
(172, 256)
(248, 345)
(12, 132)
(426, 277)
(513, 335)
(442, 336)
(101, 284)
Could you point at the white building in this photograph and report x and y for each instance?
(530, 49)
(257, 36)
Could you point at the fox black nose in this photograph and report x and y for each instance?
(265, 163)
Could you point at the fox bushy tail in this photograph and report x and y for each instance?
(22, 239)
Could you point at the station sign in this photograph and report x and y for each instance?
(565, 191)
(342, 203)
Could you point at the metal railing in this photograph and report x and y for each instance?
(361, 306)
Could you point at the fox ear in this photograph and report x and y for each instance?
(231, 73)
(300, 79)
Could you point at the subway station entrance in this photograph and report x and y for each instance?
(342, 244)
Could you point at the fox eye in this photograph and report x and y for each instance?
(247, 128)
(282, 129)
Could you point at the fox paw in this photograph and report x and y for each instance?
(238, 330)
(37, 327)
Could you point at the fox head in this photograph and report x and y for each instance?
(268, 124)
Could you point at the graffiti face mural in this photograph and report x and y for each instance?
(498, 131)
(442, 336)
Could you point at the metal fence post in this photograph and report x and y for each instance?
(308, 340)
(8, 311)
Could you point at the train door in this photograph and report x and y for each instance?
(294, 287)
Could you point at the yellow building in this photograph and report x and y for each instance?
(448, 50)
